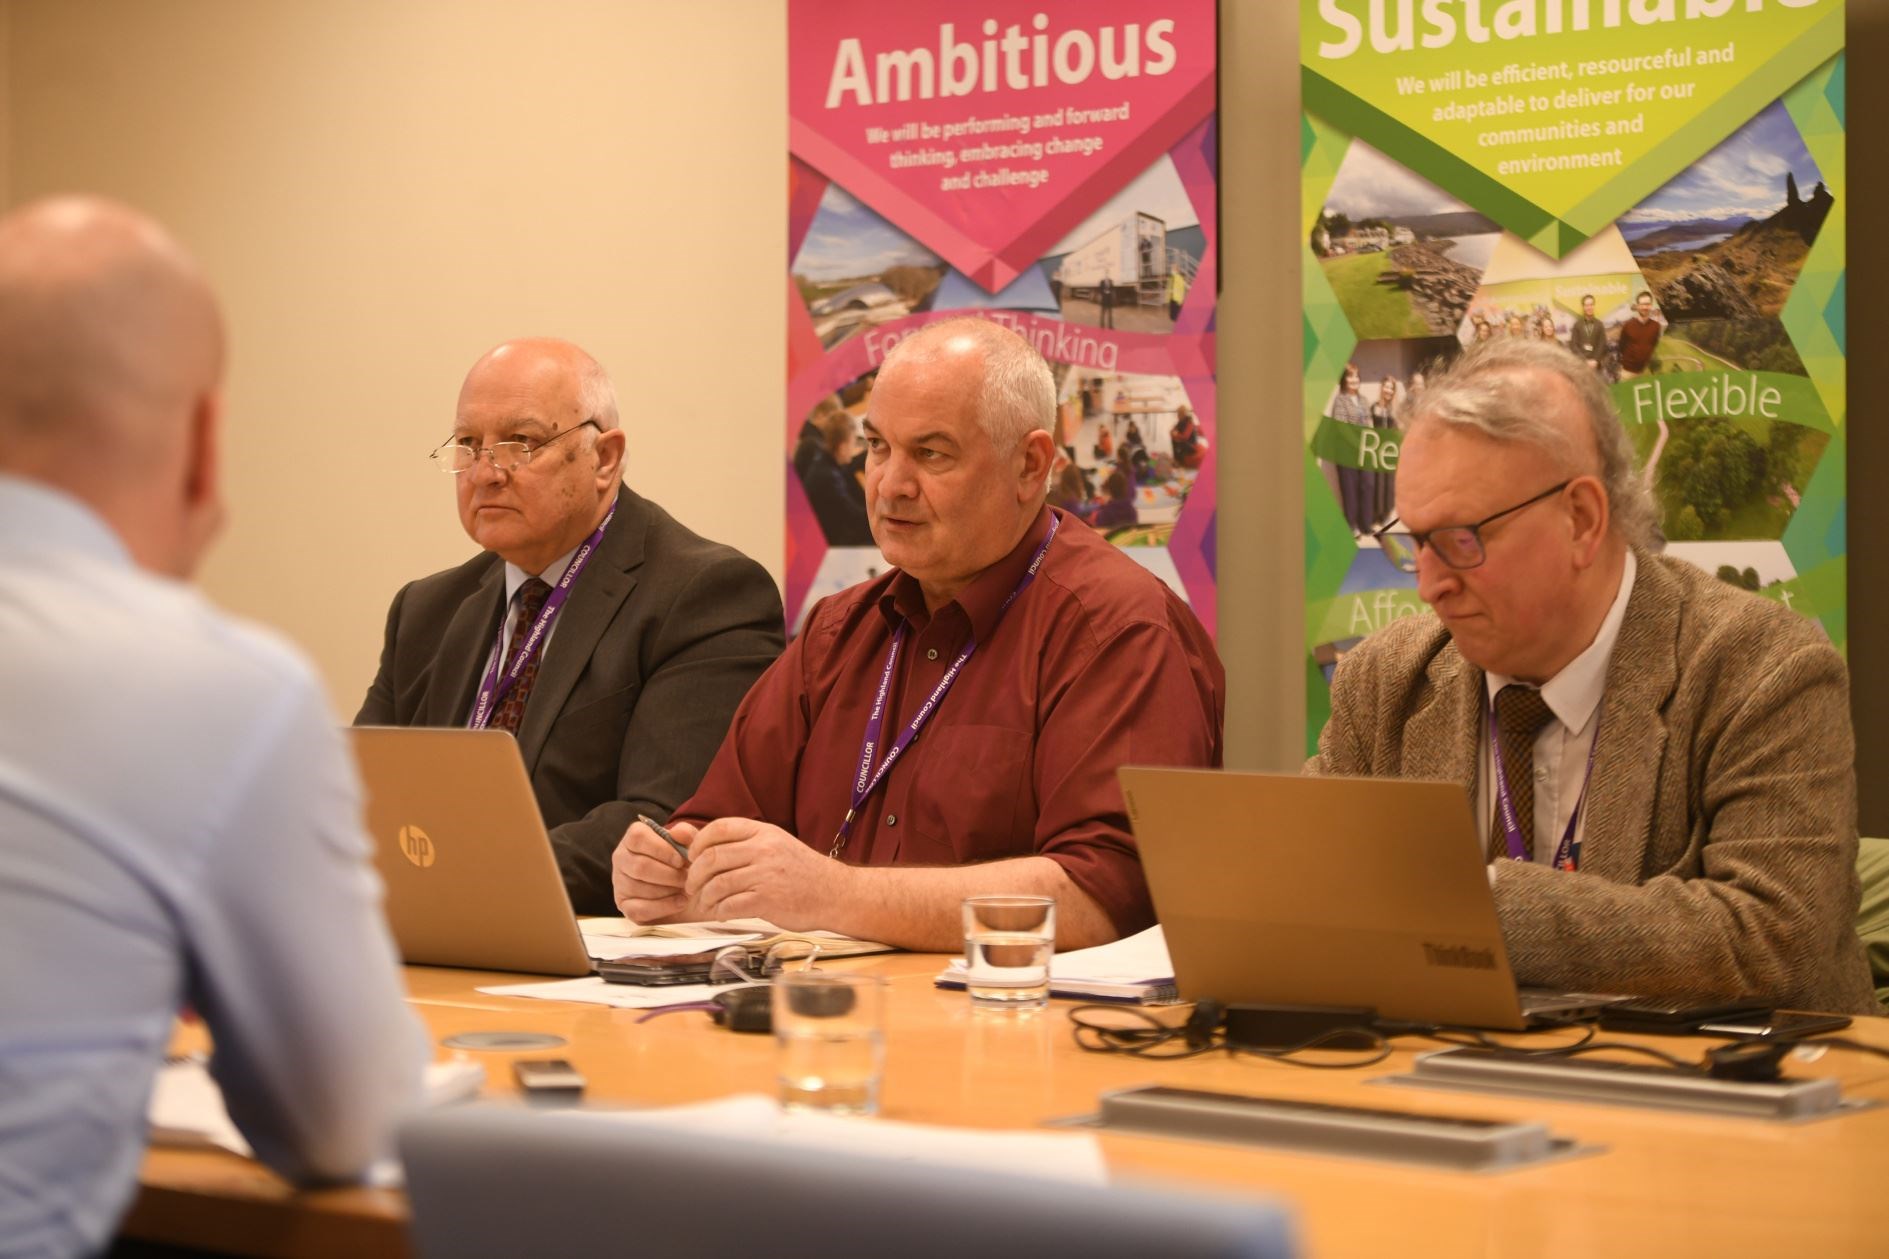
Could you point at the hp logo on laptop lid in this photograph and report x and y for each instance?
(418, 846)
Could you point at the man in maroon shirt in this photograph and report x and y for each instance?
(1639, 336)
(1019, 659)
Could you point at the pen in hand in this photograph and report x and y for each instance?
(663, 833)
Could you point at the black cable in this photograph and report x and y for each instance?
(1153, 1039)
(1381, 1044)
(1476, 1038)
(1158, 1040)
(1137, 1042)
(1843, 1042)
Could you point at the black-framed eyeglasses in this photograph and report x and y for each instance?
(456, 456)
(1459, 546)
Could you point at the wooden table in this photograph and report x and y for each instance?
(1668, 1183)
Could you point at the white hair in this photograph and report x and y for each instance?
(1492, 388)
(596, 396)
(1017, 393)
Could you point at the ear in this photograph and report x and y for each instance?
(1589, 517)
(203, 499)
(1035, 457)
(610, 446)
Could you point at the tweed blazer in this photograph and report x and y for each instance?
(1719, 856)
(661, 637)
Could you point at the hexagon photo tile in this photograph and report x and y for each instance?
(1728, 236)
(1401, 256)
(854, 270)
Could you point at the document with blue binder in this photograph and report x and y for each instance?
(1134, 970)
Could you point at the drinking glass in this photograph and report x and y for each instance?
(829, 1028)
(1008, 942)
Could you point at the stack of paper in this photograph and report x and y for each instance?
(1134, 969)
(607, 946)
(758, 932)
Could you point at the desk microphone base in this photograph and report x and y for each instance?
(1624, 1084)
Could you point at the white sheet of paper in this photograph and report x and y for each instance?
(746, 928)
(607, 947)
(187, 1108)
(1137, 959)
(595, 991)
(1074, 1158)
(732, 930)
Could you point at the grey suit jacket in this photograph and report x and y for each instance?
(661, 637)
(1719, 857)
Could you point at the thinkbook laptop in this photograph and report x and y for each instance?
(1281, 889)
(470, 877)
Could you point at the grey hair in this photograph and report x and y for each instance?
(595, 394)
(1017, 395)
(1491, 389)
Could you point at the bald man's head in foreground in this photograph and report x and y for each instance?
(111, 363)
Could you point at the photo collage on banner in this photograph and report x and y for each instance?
(1658, 186)
(1051, 166)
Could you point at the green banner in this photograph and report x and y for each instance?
(1354, 446)
(1698, 395)
(1657, 184)
(1554, 117)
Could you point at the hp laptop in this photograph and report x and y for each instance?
(1282, 889)
(461, 847)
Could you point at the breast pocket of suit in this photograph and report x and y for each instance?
(971, 801)
(588, 736)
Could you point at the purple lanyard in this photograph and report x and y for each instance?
(1567, 853)
(494, 687)
(867, 780)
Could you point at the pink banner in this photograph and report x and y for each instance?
(1051, 166)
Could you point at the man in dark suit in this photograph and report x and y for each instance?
(612, 640)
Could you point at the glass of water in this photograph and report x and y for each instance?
(829, 1028)
(1008, 942)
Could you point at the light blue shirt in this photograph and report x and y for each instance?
(179, 822)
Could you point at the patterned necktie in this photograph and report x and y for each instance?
(1520, 713)
(511, 709)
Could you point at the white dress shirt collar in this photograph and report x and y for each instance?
(1574, 694)
(516, 576)
(36, 517)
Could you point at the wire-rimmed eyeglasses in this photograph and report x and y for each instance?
(1459, 546)
(456, 456)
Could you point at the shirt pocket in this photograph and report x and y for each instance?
(599, 712)
(967, 804)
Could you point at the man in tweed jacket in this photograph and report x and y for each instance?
(1716, 837)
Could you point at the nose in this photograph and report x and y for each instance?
(897, 479)
(1435, 579)
(485, 469)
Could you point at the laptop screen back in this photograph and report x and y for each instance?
(1283, 889)
(471, 880)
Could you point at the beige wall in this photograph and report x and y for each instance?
(383, 188)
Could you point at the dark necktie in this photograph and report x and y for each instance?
(1520, 713)
(511, 709)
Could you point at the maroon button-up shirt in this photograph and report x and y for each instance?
(1096, 665)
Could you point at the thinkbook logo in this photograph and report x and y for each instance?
(418, 846)
(1458, 955)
